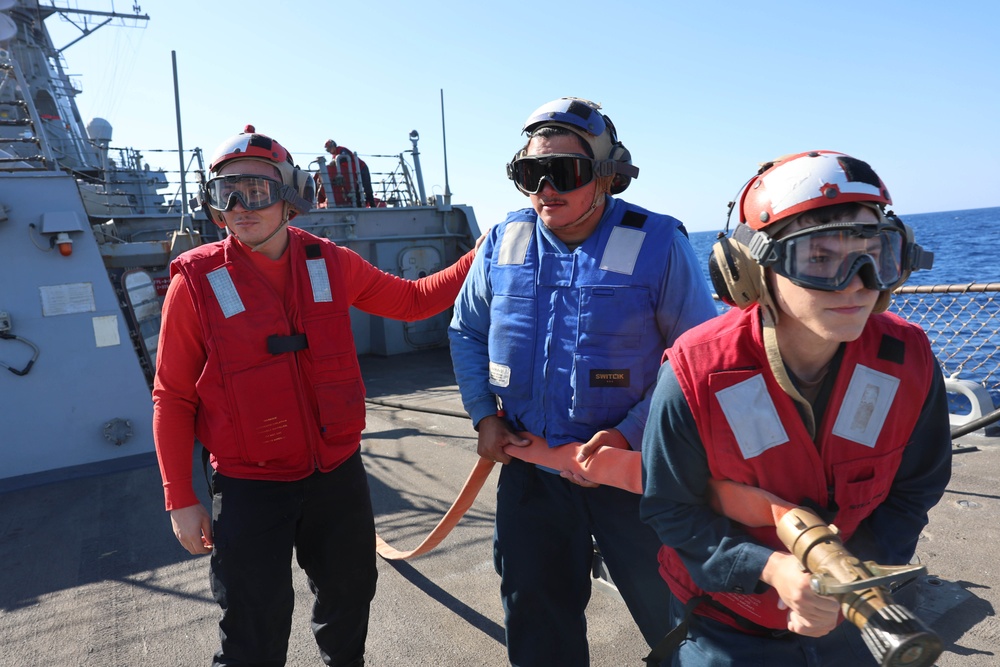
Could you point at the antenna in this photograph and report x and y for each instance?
(444, 141)
(180, 144)
(414, 137)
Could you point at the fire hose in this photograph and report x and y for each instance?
(892, 633)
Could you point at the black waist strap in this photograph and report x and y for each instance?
(673, 639)
(282, 344)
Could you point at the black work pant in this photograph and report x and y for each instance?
(544, 550)
(328, 519)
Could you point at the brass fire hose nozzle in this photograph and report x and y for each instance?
(893, 634)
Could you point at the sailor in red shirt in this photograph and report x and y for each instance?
(349, 177)
(257, 361)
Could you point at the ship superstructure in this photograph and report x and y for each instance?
(87, 232)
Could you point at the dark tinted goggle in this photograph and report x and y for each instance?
(829, 256)
(253, 192)
(565, 173)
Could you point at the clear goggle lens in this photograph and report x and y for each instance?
(828, 257)
(565, 173)
(253, 192)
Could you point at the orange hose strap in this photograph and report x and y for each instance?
(611, 466)
(746, 504)
(621, 468)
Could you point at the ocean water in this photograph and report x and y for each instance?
(966, 246)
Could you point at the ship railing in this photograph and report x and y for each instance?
(392, 179)
(21, 123)
(127, 177)
(962, 322)
(148, 181)
(395, 187)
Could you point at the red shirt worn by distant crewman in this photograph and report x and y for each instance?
(234, 370)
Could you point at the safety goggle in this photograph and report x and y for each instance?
(253, 192)
(565, 173)
(829, 256)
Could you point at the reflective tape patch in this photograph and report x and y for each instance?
(622, 250)
(514, 246)
(319, 278)
(752, 416)
(866, 406)
(499, 374)
(225, 292)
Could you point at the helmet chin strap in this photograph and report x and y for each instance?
(590, 211)
(257, 247)
(284, 223)
(598, 199)
(769, 320)
(769, 315)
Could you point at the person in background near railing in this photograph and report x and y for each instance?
(808, 390)
(344, 170)
(257, 361)
(563, 319)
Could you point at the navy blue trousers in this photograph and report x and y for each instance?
(713, 644)
(543, 549)
(328, 519)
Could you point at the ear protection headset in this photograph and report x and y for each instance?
(736, 277)
(304, 188)
(622, 159)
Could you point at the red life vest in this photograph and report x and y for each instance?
(754, 435)
(345, 177)
(275, 405)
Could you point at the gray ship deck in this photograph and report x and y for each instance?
(92, 575)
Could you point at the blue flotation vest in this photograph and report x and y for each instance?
(574, 342)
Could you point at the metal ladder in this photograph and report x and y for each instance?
(25, 115)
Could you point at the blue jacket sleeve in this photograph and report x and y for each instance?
(469, 335)
(684, 301)
(718, 555)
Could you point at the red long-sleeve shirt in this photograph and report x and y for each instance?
(182, 354)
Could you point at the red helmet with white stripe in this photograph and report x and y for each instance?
(249, 144)
(299, 189)
(802, 182)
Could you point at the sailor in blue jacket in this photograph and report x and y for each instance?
(563, 325)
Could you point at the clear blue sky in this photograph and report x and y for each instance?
(700, 91)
